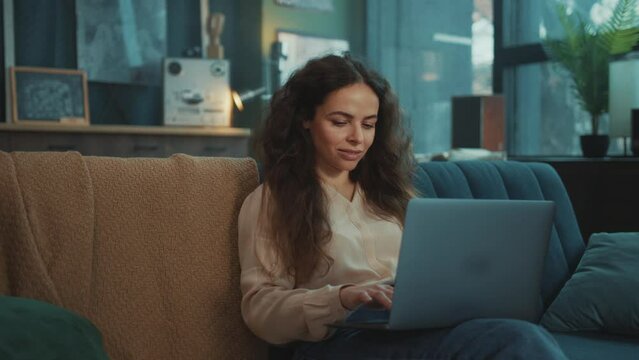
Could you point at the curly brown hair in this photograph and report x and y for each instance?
(296, 208)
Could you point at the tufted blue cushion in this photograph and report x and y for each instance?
(513, 180)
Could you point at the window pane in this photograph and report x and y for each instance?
(429, 58)
(527, 22)
(522, 21)
(547, 118)
(543, 112)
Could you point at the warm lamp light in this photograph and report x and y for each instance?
(240, 99)
(624, 96)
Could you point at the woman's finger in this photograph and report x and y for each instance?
(386, 289)
(381, 298)
(364, 297)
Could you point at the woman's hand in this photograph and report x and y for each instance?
(376, 295)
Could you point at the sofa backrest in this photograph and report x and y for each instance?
(145, 248)
(513, 180)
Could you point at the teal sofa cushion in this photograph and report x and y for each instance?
(597, 346)
(31, 329)
(517, 181)
(603, 293)
(534, 181)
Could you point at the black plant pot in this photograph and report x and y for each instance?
(594, 145)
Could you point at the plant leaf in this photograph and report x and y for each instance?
(585, 51)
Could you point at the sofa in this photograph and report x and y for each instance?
(146, 249)
(536, 181)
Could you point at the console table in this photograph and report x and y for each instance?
(604, 192)
(126, 140)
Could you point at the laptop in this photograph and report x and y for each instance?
(463, 259)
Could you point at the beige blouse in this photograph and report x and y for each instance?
(364, 248)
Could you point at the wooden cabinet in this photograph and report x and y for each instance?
(207, 146)
(35, 141)
(127, 141)
(4, 140)
(604, 192)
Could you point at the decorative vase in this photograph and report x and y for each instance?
(594, 145)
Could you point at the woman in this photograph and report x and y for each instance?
(321, 236)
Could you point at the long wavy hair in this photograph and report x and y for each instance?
(296, 206)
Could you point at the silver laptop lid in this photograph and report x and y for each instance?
(470, 258)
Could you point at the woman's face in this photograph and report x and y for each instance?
(343, 128)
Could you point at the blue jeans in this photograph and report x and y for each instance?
(474, 339)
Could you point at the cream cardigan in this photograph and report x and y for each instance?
(365, 249)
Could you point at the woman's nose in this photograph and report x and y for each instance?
(356, 135)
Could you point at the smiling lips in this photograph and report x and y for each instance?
(350, 155)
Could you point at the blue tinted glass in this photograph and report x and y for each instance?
(431, 51)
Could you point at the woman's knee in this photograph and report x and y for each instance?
(501, 339)
(512, 329)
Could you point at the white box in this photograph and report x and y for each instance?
(197, 92)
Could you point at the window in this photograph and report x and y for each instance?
(543, 113)
(433, 50)
(430, 51)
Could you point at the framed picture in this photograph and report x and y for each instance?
(49, 96)
(122, 42)
(299, 48)
(322, 5)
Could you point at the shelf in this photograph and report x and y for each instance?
(130, 129)
(575, 159)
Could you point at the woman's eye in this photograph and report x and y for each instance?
(368, 126)
(338, 122)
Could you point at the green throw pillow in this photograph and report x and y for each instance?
(603, 293)
(31, 329)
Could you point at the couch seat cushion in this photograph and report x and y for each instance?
(597, 346)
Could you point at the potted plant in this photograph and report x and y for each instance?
(585, 52)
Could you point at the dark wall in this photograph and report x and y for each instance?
(2, 73)
(242, 42)
(45, 35)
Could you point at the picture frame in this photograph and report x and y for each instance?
(122, 42)
(49, 96)
(321, 5)
(301, 47)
